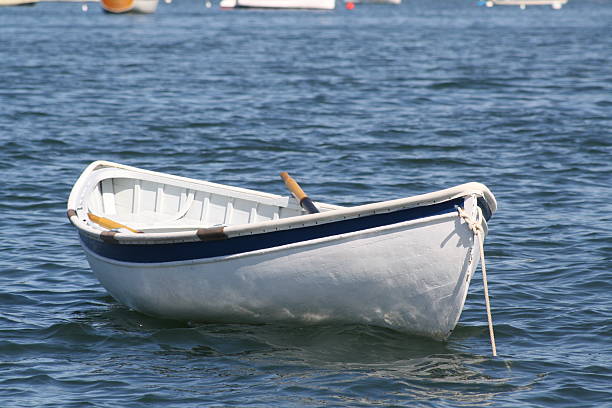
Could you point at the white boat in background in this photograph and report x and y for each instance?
(192, 250)
(129, 6)
(18, 2)
(374, 1)
(279, 4)
(555, 4)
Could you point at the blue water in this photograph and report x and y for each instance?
(365, 105)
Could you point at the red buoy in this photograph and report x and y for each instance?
(350, 5)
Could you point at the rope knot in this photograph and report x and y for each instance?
(474, 224)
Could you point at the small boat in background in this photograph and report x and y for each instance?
(279, 4)
(555, 4)
(18, 2)
(129, 6)
(374, 1)
(192, 250)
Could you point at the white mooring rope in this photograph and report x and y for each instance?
(478, 230)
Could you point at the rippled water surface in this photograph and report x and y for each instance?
(360, 106)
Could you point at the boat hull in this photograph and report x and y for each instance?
(411, 276)
(18, 2)
(129, 6)
(374, 1)
(280, 4)
(555, 4)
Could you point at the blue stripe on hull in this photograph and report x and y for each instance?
(153, 253)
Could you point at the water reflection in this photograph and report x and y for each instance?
(323, 364)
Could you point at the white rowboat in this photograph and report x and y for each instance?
(205, 252)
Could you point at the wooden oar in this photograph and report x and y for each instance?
(298, 193)
(110, 224)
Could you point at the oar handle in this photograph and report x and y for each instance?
(298, 193)
(110, 224)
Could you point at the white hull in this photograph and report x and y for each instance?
(404, 264)
(411, 278)
(556, 4)
(18, 2)
(280, 4)
(374, 1)
(145, 6)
